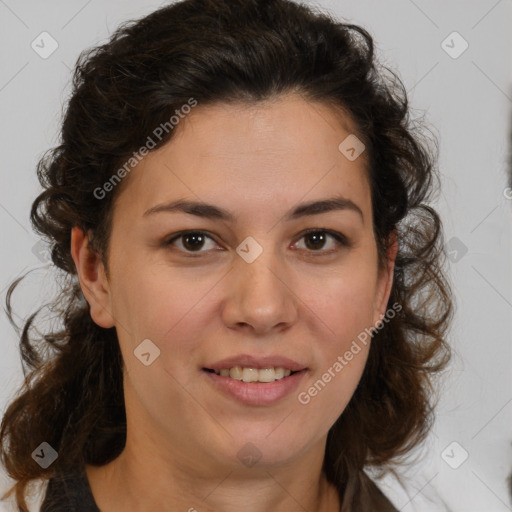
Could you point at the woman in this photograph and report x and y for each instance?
(254, 304)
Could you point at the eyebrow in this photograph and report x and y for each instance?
(210, 211)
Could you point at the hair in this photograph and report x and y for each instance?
(227, 51)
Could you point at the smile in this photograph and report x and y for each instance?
(246, 374)
(253, 391)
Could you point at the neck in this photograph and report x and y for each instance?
(136, 481)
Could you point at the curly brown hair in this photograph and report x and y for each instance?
(230, 51)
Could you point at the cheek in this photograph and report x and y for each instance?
(324, 398)
(342, 358)
(343, 302)
(153, 300)
(171, 309)
(341, 323)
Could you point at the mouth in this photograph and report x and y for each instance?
(255, 381)
(247, 374)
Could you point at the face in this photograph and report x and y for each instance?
(248, 288)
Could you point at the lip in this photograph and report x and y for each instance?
(248, 361)
(255, 393)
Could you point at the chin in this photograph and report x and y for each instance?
(276, 449)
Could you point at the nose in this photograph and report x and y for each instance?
(260, 296)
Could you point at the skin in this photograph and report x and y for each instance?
(259, 162)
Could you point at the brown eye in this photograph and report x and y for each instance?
(191, 241)
(316, 240)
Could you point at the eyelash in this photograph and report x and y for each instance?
(340, 239)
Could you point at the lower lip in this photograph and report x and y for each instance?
(256, 393)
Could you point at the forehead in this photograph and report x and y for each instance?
(288, 124)
(286, 148)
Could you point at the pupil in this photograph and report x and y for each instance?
(318, 239)
(197, 236)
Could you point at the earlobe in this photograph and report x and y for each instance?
(93, 280)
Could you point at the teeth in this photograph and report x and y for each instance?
(250, 375)
(253, 374)
(236, 373)
(265, 375)
(280, 372)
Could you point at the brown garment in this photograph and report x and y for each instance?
(69, 493)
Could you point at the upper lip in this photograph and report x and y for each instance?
(248, 361)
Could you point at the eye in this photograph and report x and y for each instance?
(316, 240)
(194, 241)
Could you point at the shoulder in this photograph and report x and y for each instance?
(362, 493)
(393, 492)
(69, 492)
(377, 500)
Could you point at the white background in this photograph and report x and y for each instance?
(466, 100)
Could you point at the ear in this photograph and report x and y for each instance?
(93, 279)
(385, 281)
